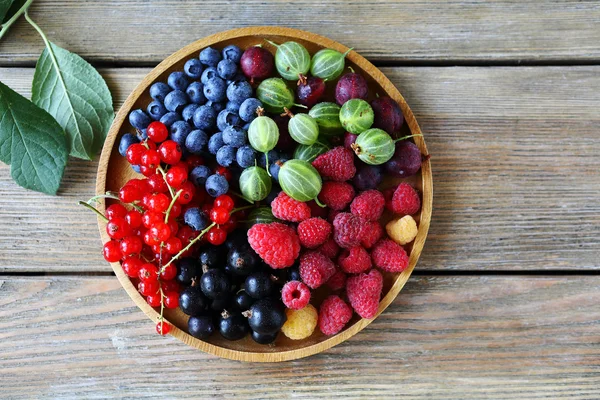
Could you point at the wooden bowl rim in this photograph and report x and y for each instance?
(389, 88)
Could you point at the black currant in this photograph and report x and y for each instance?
(259, 284)
(242, 259)
(214, 283)
(264, 338)
(266, 316)
(243, 300)
(187, 269)
(201, 327)
(192, 301)
(233, 326)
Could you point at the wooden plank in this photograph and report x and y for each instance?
(474, 337)
(382, 30)
(514, 155)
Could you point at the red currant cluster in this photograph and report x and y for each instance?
(149, 236)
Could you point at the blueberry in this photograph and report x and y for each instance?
(195, 93)
(259, 284)
(267, 316)
(139, 119)
(262, 338)
(293, 274)
(367, 177)
(234, 136)
(215, 283)
(210, 57)
(176, 101)
(196, 141)
(215, 89)
(187, 269)
(193, 68)
(199, 174)
(246, 126)
(233, 326)
(216, 185)
(226, 155)
(127, 140)
(188, 113)
(243, 300)
(137, 168)
(195, 219)
(262, 161)
(227, 69)
(170, 118)
(275, 166)
(233, 53)
(178, 81)
(201, 327)
(192, 301)
(245, 156)
(215, 143)
(248, 109)
(233, 107)
(208, 74)
(179, 132)
(205, 118)
(239, 91)
(156, 110)
(218, 106)
(159, 90)
(142, 134)
(227, 118)
(212, 257)
(242, 260)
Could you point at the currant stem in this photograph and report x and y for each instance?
(167, 214)
(6, 26)
(406, 137)
(240, 209)
(241, 196)
(87, 205)
(192, 242)
(111, 195)
(164, 175)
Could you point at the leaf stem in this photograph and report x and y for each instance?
(91, 207)
(6, 26)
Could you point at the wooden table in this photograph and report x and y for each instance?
(505, 301)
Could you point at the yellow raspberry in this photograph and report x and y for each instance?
(301, 323)
(402, 230)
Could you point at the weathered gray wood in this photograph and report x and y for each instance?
(458, 337)
(515, 162)
(382, 30)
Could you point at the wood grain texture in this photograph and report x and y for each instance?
(514, 156)
(381, 30)
(460, 337)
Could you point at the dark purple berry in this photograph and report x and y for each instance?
(349, 139)
(351, 86)
(310, 92)
(406, 160)
(257, 63)
(388, 115)
(367, 177)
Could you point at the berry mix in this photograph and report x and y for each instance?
(247, 209)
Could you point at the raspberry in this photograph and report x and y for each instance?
(330, 248)
(315, 269)
(337, 164)
(373, 232)
(336, 195)
(368, 204)
(277, 244)
(389, 256)
(313, 232)
(316, 210)
(300, 324)
(364, 291)
(288, 209)
(402, 230)
(337, 280)
(405, 201)
(334, 314)
(348, 229)
(295, 295)
(355, 260)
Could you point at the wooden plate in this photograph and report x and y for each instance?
(114, 171)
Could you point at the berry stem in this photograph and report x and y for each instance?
(351, 69)
(241, 196)
(192, 242)
(168, 212)
(319, 203)
(83, 203)
(406, 137)
(113, 196)
(348, 51)
(272, 43)
(164, 175)
(267, 163)
(301, 106)
(240, 209)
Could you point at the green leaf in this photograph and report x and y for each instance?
(74, 93)
(4, 7)
(32, 142)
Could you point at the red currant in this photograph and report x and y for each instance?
(129, 194)
(148, 287)
(131, 266)
(224, 201)
(187, 193)
(149, 239)
(156, 248)
(154, 300)
(112, 251)
(219, 215)
(193, 161)
(176, 176)
(131, 245)
(175, 211)
(173, 226)
(150, 159)
(158, 202)
(117, 228)
(160, 231)
(230, 225)
(157, 132)
(224, 171)
(148, 272)
(163, 328)
(141, 184)
(147, 171)
(157, 184)
(170, 152)
(185, 234)
(116, 210)
(170, 286)
(216, 236)
(171, 300)
(173, 245)
(134, 153)
(163, 257)
(206, 208)
(134, 219)
(167, 273)
(151, 218)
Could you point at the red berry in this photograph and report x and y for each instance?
(185, 234)
(150, 159)
(405, 201)
(187, 193)
(157, 132)
(172, 300)
(315, 269)
(131, 245)
(156, 248)
(216, 236)
(219, 215)
(364, 291)
(131, 266)
(194, 160)
(134, 219)
(149, 144)
(176, 176)
(368, 204)
(334, 314)
(117, 228)
(115, 210)
(373, 232)
(277, 244)
(147, 171)
(163, 328)
(134, 153)
(336, 195)
(154, 300)
(170, 152)
(230, 225)
(148, 272)
(150, 218)
(257, 63)
(112, 251)
(158, 202)
(310, 92)
(130, 193)
(355, 260)
(147, 288)
(351, 86)
(337, 280)
(169, 272)
(170, 286)
(389, 256)
(149, 239)
(141, 184)
(162, 257)
(158, 184)
(173, 226)
(336, 164)
(224, 201)
(288, 209)
(348, 229)
(175, 210)
(295, 295)
(183, 165)
(313, 232)
(160, 231)
(223, 171)
(329, 248)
